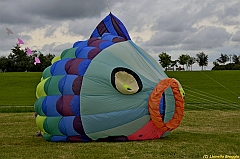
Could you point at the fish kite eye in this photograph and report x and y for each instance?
(126, 81)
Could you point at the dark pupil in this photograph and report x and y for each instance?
(129, 89)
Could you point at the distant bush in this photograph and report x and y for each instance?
(229, 66)
(236, 67)
(19, 61)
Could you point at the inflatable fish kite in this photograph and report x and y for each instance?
(107, 88)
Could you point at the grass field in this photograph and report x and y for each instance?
(218, 90)
(17, 91)
(204, 89)
(211, 124)
(200, 133)
(18, 88)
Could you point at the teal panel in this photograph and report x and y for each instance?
(125, 130)
(170, 104)
(150, 61)
(165, 134)
(63, 53)
(46, 73)
(51, 85)
(38, 106)
(98, 97)
(50, 125)
(69, 53)
(112, 119)
(142, 62)
(47, 137)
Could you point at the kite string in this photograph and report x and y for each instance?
(212, 102)
(219, 83)
(212, 97)
(204, 94)
(209, 101)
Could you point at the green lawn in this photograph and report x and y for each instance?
(211, 123)
(18, 88)
(204, 89)
(17, 91)
(200, 133)
(210, 89)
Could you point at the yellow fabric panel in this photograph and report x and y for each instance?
(56, 58)
(40, 89)
(39, 121)
(126, 83)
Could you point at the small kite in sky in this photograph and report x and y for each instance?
(9, 31)
(36, 60)
(29, 51)
(20, 41)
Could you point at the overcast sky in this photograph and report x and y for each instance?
(172, 26)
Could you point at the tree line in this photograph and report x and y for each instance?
(202, 60)
(220, 63)
(184, 59)
(19, 61)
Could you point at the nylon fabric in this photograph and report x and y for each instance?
(46, 73)
(38, 106)
(125, 130)
(65, 84)
(55, 59)
(51, 85)
(83, 52)
(69, 53)
(66, 126)
(58, 68)
(39, 121)
(50, 125)
(170, 102)
(49, 106)
(40, 91)
(148, 131)
(154, 100)
(106, 88)
(100, 122)
(125, 52)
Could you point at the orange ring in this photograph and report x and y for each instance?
(154, 100)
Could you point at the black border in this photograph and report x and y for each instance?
(117, 69)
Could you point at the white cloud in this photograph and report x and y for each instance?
(236, 37)
(171, 26)
(207, 38)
